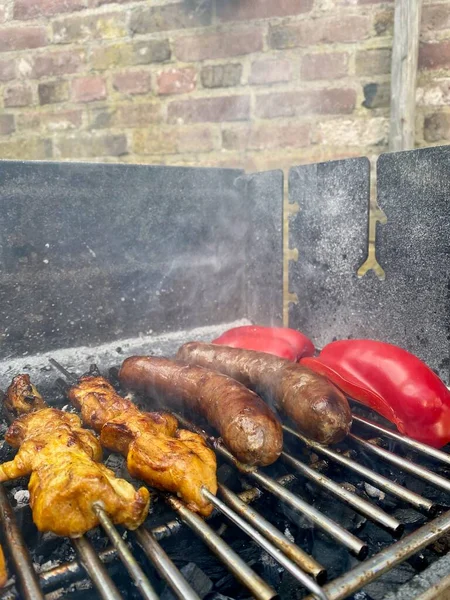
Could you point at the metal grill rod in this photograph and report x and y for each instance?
(384, 561)
(257, 586)
(96, 569)
(403, 463)
(26, 575)
(406, 441)
(164, 565)
(362, 506)
(354, 544)
(296, 554)
(270, 548)
(379, 480)
(140, 580)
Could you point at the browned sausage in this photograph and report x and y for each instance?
(247, 425)
(318, 408)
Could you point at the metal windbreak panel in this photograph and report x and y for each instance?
(330, 233)
(413, 303)
(410, 307)
(264, 297)
(93, 252)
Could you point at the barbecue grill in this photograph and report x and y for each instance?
(103, 261)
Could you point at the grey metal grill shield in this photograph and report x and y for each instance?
(93, 252)
(411, 306)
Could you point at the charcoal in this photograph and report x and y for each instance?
(390, 580)
(374, 492)
(271, 572)
(216, 596)
(408, 516)
(336, 558)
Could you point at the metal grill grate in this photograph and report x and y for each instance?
(235, 507)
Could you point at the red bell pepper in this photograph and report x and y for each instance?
(391, 381)
(281, 341)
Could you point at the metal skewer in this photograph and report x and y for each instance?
(379, 480)
(257, 586)
(406, 441)
(164, 565)
(26, 575)
(368, 509)
(403, 463)
(137, 574)
(384, 561)
(296, 554)
(95, 569)
(270, 548)
(354, 544)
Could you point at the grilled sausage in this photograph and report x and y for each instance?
(318, 408)
(247, 425)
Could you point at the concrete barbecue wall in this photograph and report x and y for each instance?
(257, 84)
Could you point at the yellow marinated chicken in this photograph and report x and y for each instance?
(170, 459)
(67, 479)
(3, 569)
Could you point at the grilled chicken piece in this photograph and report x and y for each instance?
(67, 479)
(170, 459)
(3, 569)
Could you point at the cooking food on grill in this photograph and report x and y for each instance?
(67, 479)
(247, 425)
(280, 341)
(391, 381)
(170, 459)
(318, 408)
(3, 569)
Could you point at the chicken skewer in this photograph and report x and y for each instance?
(67, 479)
(167, 458)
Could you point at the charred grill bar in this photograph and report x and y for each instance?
(103, 261)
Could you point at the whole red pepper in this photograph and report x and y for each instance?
(281, 341)
(391, 381)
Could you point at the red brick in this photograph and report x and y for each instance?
(33, 9)
(435, 56)
(267, 136)
(218, 45)
(7, 70)
(222, 108)
(176, 81)
(267, 71)
(18, 95)
(133, 115)
(435, 17)
(88, 89)
(352, 28)
(150, 19)
(2, 14)
(6, 124)
(324, 66)
(234, 10)
(132, 82)
(50, 121)
(53, 64)
(21, 38)
(290, 104)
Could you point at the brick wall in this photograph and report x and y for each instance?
(254, 83)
